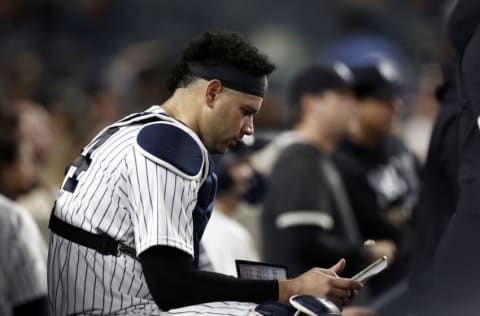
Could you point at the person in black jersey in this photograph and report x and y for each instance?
(438, 197)
(381, 175)
(306, 217)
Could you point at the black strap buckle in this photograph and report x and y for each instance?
(104, 244)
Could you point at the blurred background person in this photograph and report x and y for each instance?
(380, 174)
(36, 130)
(307, 220)
(18, 169)
(438, 196)
(457, 259)
(225, 239)
(23, 284)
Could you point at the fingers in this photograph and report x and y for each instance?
(339, 266)
(347, 284)
(357, 311)
(339, 294)
(326, 283)
(341, 290)
(336, 301)
(354, 284)
(339, 282)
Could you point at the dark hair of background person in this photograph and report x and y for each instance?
(315, 79)
(9, 134)
(218, 48)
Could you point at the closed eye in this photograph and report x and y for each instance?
(247, 111)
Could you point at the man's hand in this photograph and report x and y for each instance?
(320, 282)
(397, 217)
(383, 247)
(357, 311)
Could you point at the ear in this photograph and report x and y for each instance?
(214, 87)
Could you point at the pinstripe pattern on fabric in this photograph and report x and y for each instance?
(134, 199)
(23, 258)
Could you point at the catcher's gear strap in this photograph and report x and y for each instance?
(104, 244)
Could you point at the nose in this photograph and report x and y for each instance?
(248, 128)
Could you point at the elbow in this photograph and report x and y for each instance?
(168, 297)
(165, 304)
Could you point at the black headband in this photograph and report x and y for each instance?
(231, 77)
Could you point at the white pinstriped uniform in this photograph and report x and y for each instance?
(23, 258)
(133, 197)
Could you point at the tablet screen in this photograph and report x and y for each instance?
(260, 271)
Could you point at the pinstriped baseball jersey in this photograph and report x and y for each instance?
(23, 258)
(211, 308)
(122, 188)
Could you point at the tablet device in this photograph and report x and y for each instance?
(373, 269)
(260, 271)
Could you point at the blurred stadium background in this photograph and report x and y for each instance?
(84, 63)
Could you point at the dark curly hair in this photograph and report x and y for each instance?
(228, 48)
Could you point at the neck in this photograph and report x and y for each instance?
(181, 106)
(317, 136)
(361, 137)
(6, 187)
(226, 204)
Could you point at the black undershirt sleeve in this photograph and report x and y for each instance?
(38, 306)
(173, 282)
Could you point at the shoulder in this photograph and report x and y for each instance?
(17, 224)
(300, 149)
(10, 214)
(298, 156)
(394, 145)
(462, 23)
(350, 158)
(265, 158)
(222, 226)
(344, 152)
(173, 146)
